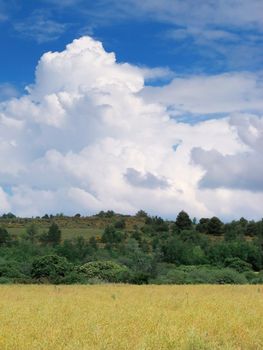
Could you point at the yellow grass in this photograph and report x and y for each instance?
(131, 317)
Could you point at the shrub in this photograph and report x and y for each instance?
(10, 269)
(238, 264)
(105, 270)
(4, 236)
(50, 268)
(228, 276)
(6, 280)
(120, 224)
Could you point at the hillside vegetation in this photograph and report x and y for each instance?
(140, 249)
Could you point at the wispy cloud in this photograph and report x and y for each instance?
(40, 28)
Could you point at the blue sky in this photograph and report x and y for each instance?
(185, 41)
(187, 73)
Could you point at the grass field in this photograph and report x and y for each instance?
(131, 317)
(67, 233)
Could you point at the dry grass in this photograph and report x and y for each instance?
(131, 317)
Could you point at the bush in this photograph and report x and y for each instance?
(201, 275)
(74, 277)
(120, 224)
(50, 268)
(10, 269)
(238, 264)
(6, 280)
(228, 276)
(105, 270)
(4, 236)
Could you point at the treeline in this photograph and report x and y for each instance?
(154, 250)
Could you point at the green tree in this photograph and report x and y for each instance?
(183, 221)
(202, 226)
(50, 268)
(5, 238)
(215, 226)
(111, 236)
(53, 236)
(31, 233)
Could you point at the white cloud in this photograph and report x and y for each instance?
(223, 93)
(243, 170)
(7, 91)
(85, 139)
(40, 28)
(234, 13)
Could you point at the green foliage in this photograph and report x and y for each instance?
(8, 216)
(201, 275)
(53, 236)
(112, 236)
(120, 224)
(190, 253)
(142, 265)
(31, 233)
(215, 226)
(141, 214)
(10, 269)
(50, 268)
(108, 271)
(5, 238)
(183, 221)
(238, 264)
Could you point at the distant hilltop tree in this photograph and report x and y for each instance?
(141, 214)
(8, 216)
(183, 221)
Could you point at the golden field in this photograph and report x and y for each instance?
(131, 317)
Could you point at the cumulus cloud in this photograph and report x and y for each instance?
(86, 138)
(243, 170)
(222, 93)
(148, 180)
(7, 91)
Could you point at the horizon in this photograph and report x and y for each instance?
(122, 106)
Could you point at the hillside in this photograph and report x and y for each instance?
(139, 249)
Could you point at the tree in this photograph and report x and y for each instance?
(53, 236)
(202, 225)
(120, 224)
(31, 233)
(50, 267)
(141, 214)
(183, 221)
(46, 216)
(215, 226)
(252, 229)
(142, 265)
(93, 243)
(111, 236)
(4, 236)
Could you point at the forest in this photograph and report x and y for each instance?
(140, 249)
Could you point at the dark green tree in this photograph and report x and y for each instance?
(183, 221)
(111, 236)
(51, 268)
(53, 236)
(215, 226)
(5, 238)
(31, 233)
(202, 226)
